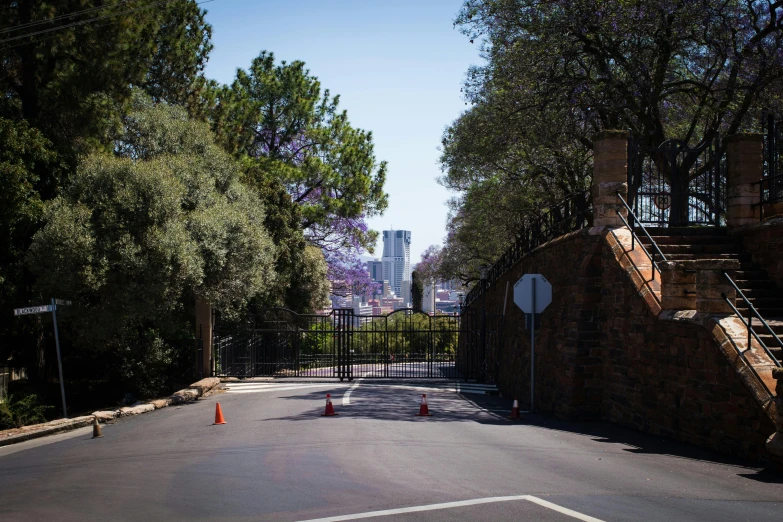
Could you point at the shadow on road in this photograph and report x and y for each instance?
(393, 403)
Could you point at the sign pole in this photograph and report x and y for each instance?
(59, 361)
(533, 346)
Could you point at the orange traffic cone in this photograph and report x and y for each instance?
(515, 411)
(329, 408)
(219, 414)
(424, 411)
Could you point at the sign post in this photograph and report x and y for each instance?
(532, 293)
(42, 309)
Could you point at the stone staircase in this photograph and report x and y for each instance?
(715, 243)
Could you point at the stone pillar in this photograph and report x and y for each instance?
(204, 332)
(678, 285)
(745, 168)
(610, 176)
(775, 441)
(711, 283)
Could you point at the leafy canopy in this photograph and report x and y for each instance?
(137, 235)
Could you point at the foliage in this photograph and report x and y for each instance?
(22, 411)
(276, 118)
(417, 290)
(136, 236)
(73, 82)
(555, 73)
(301, 283)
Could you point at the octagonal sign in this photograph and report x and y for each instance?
(523, 293)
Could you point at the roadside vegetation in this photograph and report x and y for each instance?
(134, 185)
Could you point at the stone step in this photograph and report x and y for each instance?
(692, 240)
(745, 258)
(687, 231)
(701, 250)
(764, 312)
(752, 284)
(762, 291)
(754, 275)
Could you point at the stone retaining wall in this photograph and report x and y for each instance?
(607, 350)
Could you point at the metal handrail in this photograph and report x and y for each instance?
(774, 183)
(635, 238)
(749, 323)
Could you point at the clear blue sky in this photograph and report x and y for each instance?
(398, 67)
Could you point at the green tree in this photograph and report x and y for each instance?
(277, 117)
(417, 290)
(136, 236)
(69, 65)
(27, 168)
(555, 73)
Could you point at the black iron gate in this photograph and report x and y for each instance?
(674, 185)
(281, 343)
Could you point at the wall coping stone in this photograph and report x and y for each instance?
(701, 264)
(745, 136)
(611, 134)
(773, 222)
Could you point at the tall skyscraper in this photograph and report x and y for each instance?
(396, 258)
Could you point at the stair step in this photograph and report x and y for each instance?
(764, 312)
(763, 291)
(687, 231)
(698, 249)
(752, 284)
(690, 257)
(757, 275)
(693, 240)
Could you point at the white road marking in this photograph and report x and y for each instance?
(43, 441)
(347, 395)
(258, 387)
(560, 509)
(271, 388)
(461, 503)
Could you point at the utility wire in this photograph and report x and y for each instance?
(89, 20)
(60, 17)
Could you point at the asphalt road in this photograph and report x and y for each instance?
(277, 459)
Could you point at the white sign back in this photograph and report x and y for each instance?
(523, 293)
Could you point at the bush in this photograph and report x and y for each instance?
(22, 412)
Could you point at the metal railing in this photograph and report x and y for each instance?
(571, 214)
(770, 192)
(635, 238)
(749, 323)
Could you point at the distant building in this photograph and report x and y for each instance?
(428, 300)
(375, 269)
(396, 258)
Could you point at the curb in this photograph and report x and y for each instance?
(34, 431)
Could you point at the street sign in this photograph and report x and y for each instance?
(33, 310)
(524, 292)
(53, 309)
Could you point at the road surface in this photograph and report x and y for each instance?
(277, 459)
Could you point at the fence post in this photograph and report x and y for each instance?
(678, 286)
(610, 176)
(711, 283)
(204, 331)
(775, 441)
(744, 170)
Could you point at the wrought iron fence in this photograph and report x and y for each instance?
(675, 185)
(771, 185)
(573, 213)
(281, 343)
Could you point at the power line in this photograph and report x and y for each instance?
(89, 20)
(58, 18)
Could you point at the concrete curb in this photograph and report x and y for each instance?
(191, 393)
(42, 430)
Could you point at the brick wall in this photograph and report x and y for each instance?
(670, 378)
(603, 352)
(765, 242)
